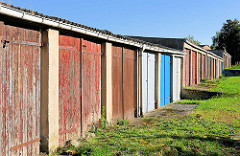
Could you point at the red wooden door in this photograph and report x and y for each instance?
(199, 67)
(129, 94)
(193, 67)
(69, 89)
(2, 97)
(117, 103)
(203, 67)
(208, 68)
(187, 69)
(20, 91)
(225, 61)
(212, 69)
(91, 84)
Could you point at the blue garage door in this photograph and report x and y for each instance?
(165, 78)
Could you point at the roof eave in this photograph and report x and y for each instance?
(16, 13)
(208, 52)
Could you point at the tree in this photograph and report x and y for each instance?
(215, 40)
(229, 38)
(193, 40)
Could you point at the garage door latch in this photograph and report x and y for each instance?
(4, 42)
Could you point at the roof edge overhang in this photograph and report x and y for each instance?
(199, 48)
(20, 14)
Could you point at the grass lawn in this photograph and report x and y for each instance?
(213, 129)
(235, 67)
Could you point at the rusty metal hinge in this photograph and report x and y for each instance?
(4, 42)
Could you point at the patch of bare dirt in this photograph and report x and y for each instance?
(168, 111)
(202, 87)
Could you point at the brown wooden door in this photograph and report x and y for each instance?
(129, 93)
(124, 79)
(117, 81)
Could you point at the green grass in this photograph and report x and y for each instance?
(208, 131)
(235, 67)
(228, 85)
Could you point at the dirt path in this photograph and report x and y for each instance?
(172, 110)
(168, 111)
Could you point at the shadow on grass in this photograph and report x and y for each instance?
(222, 141)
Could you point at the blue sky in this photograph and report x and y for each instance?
(163, 18)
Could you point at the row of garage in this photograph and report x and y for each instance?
(52, 92)
(198, 63)
(58, 76)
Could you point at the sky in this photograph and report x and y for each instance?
(155, 18)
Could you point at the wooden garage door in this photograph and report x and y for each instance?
(203, 66)
(148, 82)
(124, 78)
(187, 68)
(19, 91)
(199, 68)
(165, 78)
(69, 89)
(129, 77)
(194, 67)
(79, 86)
(117, 107)
(91, 84)
(177, 79)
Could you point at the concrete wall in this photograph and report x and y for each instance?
(107, 80)
(157, 79)
(49, 91)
